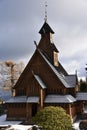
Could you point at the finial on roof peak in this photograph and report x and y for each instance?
(45, 11)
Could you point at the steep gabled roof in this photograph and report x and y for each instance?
(46, 29)
(61, 77)
(69, 81)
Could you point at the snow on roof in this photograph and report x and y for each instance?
(33, 100)
(59, 99)
(81, 96)
(17, 99)
(62, 78)
(39, 80)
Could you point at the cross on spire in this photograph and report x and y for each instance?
(45, 11)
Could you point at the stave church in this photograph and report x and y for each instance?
(44, 82)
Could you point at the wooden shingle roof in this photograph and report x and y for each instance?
(59, 99)
(64, 80)
(81, 96)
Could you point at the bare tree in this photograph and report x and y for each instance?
(11, 64)
(10, 72)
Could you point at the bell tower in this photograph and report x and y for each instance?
(46, 43)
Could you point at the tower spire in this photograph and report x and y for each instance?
(45, 11)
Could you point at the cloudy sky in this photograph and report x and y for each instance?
(21, 20)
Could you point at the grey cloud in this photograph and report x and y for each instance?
(76, 62)
(20, 21)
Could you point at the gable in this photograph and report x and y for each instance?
(27, 72)
(45, 74)
(58, 75)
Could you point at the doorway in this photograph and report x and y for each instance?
(34, 109)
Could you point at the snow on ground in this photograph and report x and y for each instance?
(13, 124)
(85, 110)
(19, 127)
(76, 125)
(16, 126)
(4, 122)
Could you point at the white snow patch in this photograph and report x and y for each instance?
(13, 124)
(19, 127)
(3, 121)
(76, 125)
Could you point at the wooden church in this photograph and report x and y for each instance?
(44, 82)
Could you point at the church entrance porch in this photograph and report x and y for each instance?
(32, 106)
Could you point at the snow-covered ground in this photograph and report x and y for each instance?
(4, 122)
(16, 126)
(76, 125)
(13, 124)
(19, 127)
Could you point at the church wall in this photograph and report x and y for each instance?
(72, 110)
(33, 89)
(47, 75)
(79, 107)
(53, 84)
(71, 91)
(20, 91)
(16, 111)
(28, 110)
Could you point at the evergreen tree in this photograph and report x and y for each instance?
(53, 118)
(83, 86)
